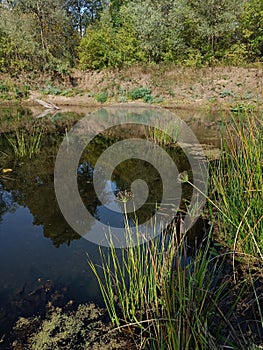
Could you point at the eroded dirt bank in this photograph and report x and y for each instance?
(169, 86)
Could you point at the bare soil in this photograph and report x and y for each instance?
(181, 87)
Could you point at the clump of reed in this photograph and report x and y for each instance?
(237, 186)
(26, 143)
(166, 299)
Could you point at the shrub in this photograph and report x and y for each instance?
(236, 55)
(142, 92)
(102, 97)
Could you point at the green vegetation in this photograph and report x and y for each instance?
(162, 295)
(26, 143)
(163, 134)
(138, 93)
(64, 329)
(102, 97)
(9, 90)
(168, 300)
(237, 185)
(61, 34)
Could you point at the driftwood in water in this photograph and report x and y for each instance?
(48, 105)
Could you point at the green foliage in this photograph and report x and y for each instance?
(58, 91)
(98, 34)
(51, 90)
(11, 91)
(26, 143)
(251, 28)
(95, 50)
(163, 134)
(141, 92)
(236, 55)
(148, 20)
(35, 37)
(214, 22)
(102, 97)
(238, 183)
(169, 300)
(105, 46)
(194, 58)
(144, 93)
(83, 13)
(18, 46)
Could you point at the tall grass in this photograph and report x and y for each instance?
(164, 298)
(237, 185)
(25, 143)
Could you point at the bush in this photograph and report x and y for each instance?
(11, 91)
(51, 90)
(236, 55)
(102, 97)
(142, 92)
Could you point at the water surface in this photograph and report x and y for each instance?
(37, 246)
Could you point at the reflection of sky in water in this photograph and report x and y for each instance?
(6, 201)
(104, 214)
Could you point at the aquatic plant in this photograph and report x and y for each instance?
(166, 298)
(25, 143)
(67, 329)
(237, 186)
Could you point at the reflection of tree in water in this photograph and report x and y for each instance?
(7, 202)
(130, 170)
(32, 186)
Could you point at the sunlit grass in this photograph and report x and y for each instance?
(25, 143)
(237, 186)
(166, 299)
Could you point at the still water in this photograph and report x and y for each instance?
(39, 251)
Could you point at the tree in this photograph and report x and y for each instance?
(149, 25)
(251, 28)
(18, 49)
(83, 13)
(107, 46)
(40, 31)
(212, 22)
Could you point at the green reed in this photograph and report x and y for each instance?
(237, 186)
(162, 297)
(26, 143)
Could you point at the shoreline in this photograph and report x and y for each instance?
(77, 102)
(168, 86)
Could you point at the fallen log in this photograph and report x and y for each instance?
(47, 105)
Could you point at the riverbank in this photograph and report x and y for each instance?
(210, 88)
